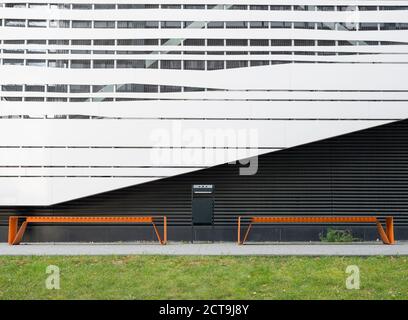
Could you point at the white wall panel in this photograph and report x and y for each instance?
(279, 77)
(230, 109)
(46, 161)
(46, 191)
(173, 133)
(120, 157)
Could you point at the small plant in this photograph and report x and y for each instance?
(333, 235)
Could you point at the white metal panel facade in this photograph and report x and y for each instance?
(101, 95)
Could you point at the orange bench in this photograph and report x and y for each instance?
(387, 236)
(15, 234)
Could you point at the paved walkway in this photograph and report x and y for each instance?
(271, 249)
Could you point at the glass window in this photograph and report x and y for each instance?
(36, 62)
(138, 24)
(259, 24)
(237, 42)
(138, 6)
(326, 25)
(12, 87)
(215, 6)
(304, 43)
(34, 88)
(80, 64)
(37, 23)
(80, 6)
(171, 24)
(15, 5)
(256, 63)
(79, 88)
(351, 26)
(58, 63)
(304, 25)
(237, 64)
(103, 64)
(104, 6)
(346, 8)
(63, 88)
(194, 42)
(194, 6)
(107, 42)
(215, 42)
(393, 7)
(368, 26)
(34, 99)
(170, 64)
(281, 42)
(326, 42)
(215, 25)
(59, 23)
(194, 65)
(367, 8)
(171, 6)
(58, 42)
(170, 89)
(13, 99)
(104, 24)
(194, 24)
(281, 8)
(57, 100)
(60, 6)
(325, 8)
(215, 64)
(281, 24)
(192, 89)
(130, 64)
(138, 42)
(36, 41)
(81, 42)
(102, 88)
(14, 23)
(236, 24)
(258, 7)
(133, 87)
(81, 24)
(237, 7)
(259, 42)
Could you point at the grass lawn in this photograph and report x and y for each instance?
(174, 277)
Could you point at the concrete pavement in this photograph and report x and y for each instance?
(223, 248)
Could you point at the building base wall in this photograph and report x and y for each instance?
(359, 174)
(99, 234)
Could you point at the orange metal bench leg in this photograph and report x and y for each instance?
(12, 229)
(16, 234)
(239, 232)
(389, 229)
(165, 230)
(382, 233)
(164, 241)
(246, 233)
(239, 241)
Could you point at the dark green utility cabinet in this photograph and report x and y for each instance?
(202, 204)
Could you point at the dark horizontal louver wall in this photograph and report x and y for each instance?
(362, 173)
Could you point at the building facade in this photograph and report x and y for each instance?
(136, 107)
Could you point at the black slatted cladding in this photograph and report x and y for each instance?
(360, 173)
